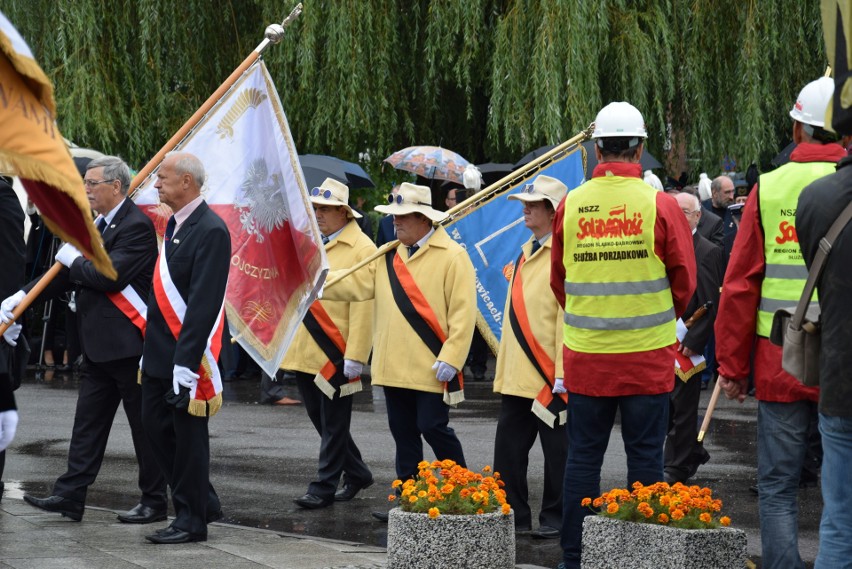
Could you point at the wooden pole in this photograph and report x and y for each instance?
(32, 295)
(710, 408)
(273, 35)
(460, 210)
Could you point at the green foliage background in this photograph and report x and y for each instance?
(490, 79)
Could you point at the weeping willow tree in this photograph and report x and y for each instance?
(491, 79)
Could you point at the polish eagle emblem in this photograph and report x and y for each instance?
(262, 207)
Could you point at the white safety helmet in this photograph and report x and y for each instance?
(620, 119)
(813, 101)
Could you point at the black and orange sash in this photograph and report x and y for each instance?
(330, 340)
(546, 407)
(417, 312)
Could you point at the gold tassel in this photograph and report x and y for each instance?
(351, 388)
(201, 408)
(324, 385)
(454, 398)
(685, 376)
(542, 413)
(139, 376)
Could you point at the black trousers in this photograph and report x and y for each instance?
(413, 413)
(683, 453)
(102, 387)
(517, 429)
(338, 455)
(181, 446)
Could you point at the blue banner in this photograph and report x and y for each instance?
(493, 234)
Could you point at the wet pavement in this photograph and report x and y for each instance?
(263, 456)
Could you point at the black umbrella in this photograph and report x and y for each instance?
(647, 161)
(784, 156)
(317, 167)
(491, 172)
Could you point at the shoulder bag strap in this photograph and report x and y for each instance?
(819, 262)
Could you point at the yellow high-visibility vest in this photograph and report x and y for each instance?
(617, 294)
(786, 272)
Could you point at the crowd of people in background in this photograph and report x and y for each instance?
(640, 331)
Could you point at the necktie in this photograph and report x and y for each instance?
(102, 225)
(412, 250)
(535, 247)
(170, 230)
(324, 240)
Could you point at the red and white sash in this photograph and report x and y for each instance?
(131, 305)
(206, 397)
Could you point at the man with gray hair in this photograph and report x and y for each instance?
(111, 332)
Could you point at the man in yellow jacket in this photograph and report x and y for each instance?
(425, 313)
(529, 369)
(328, 352)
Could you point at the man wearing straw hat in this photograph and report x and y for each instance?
(424, 318)
(328, 353)
(529, 368)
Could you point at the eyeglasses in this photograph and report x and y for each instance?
(321, 192)
(528, 189)
(93, 183)
(399, 200)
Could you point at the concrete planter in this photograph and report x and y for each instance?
(611, 544)
(416, 541)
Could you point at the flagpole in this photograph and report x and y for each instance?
(32, 295)
(462, 209)
(274, 34)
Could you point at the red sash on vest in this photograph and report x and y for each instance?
(545, 406)
(416, 310)
(330, 340)
(206, 397)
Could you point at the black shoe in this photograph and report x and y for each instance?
(381, 516)
(173, 535)
(1, 490)
(142, 514)
(670, 478)
(313, 502)
(545, 532)
(350, 490)
(58, 504)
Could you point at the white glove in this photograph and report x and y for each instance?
(559, 385)
(352, 369)
(8, 425)
(444, 371)
(8, 305)
(11, 334)
(66, 254)
(183, 376)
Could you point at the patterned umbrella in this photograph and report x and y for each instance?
(429, 162)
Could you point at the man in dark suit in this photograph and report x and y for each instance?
(111, 344)
(181, 385)
(386, 232)
(683, 453)
(12, 259)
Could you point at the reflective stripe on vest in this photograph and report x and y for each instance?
(609, 238)
(785, 273)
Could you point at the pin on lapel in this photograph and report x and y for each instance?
(175, 241)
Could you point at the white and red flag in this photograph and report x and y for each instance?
(254, 183)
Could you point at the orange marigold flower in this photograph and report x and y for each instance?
(447, 488)
(391, 497)
(586, 502)
(396, 484)
(705, 517)
(412, 499)
(663, 518)
(505, 508)
(479, 512)
(725, 521)
(597, 502)
(434, 513)
(612, 508)
(421, 494)
(677, 514)
(486, 468)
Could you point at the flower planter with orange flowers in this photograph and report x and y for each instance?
(660, 527)
(451, 517)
